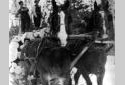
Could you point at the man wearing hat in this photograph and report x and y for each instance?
(37, 15)
(24, 16)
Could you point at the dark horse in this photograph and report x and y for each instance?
(52, 62)
(92, 61)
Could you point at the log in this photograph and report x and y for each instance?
(80, 54)
(79, 36)
(105, 42)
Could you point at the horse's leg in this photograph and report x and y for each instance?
(100, 76)
(42, 75)
(76, 77)
(85, 75)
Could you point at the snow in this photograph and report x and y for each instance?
(109, 77)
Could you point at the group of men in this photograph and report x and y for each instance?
(25, 17)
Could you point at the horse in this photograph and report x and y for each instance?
(91, 62)
(52, 62)
(94, 59)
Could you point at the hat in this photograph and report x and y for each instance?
(20, 2)
(36, 1)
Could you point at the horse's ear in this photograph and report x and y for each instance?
(95, 4)
(96, 7)
(107, 5)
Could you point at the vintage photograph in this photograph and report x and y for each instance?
(61, 42)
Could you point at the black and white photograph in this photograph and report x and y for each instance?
(62, 42)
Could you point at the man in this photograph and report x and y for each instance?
(37, 15)
(21, 45)
(24, 16)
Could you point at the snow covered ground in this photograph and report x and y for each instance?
(109, 78)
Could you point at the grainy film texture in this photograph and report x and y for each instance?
(61, 42)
